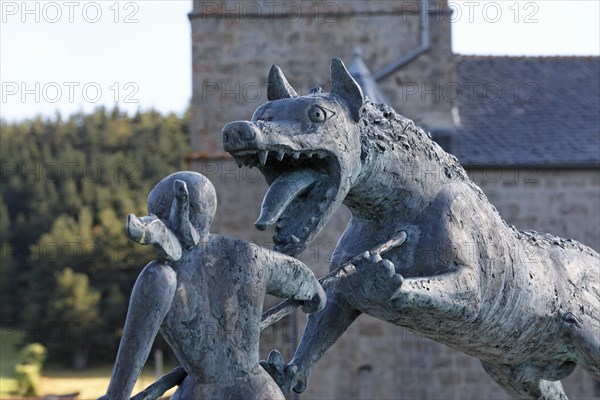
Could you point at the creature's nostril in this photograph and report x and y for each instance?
(248, 133)
(225, 137)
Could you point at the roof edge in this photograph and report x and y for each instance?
(460, 57)
(538, 166)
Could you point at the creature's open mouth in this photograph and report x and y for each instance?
(304, 186)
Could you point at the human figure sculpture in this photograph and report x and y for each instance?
(205, 295)
(526, 304)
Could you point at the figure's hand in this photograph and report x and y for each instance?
(287, 376)
(151, 230)
(179, 219)
(317, 303)
(375, 279)
(140, 230)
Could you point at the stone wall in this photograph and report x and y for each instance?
(235, 42)
(563, 202)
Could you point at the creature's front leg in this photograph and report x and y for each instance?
(322, 331)
(450, 295)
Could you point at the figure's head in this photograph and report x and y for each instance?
(202, 199)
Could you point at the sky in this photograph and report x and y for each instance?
(71, 56)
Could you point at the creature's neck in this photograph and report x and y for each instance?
(399, 178)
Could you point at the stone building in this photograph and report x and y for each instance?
(527, 130)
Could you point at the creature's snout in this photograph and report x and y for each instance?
(241, 135)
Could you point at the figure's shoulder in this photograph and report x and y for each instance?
(246, 251)
(232, 245)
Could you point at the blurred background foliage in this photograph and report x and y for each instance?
(67, 268)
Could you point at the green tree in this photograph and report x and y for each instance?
(6, 265)
(67, 185)
(73, 315)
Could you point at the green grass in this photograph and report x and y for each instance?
(90, 383)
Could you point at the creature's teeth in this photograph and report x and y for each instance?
(262, 156)
(310, 154)
(296, 156)
(295, 239)
(280, 224)
(312, 220)
(305, 230)
(280, 155)
(321, 155)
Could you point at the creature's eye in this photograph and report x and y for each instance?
(317, 114)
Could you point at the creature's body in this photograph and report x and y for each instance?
(526, 304)
(208, 301)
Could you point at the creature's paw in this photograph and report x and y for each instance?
(317, 303)
(287, 376)
(375, 279)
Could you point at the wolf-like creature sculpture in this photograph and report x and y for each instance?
(526, 304)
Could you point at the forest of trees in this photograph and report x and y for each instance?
(66, 267)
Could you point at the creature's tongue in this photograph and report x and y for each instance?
(281, 193)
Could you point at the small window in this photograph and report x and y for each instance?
(364, 382)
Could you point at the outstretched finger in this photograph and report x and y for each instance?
(181, 191)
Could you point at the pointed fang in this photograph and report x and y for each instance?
(262, 156)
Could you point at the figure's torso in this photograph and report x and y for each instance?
(213, 323)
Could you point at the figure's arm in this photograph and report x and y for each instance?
(289, 278)
(150, 301)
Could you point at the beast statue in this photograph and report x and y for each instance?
(526, 304)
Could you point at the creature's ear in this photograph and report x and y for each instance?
(346, 87)
(277, 86)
